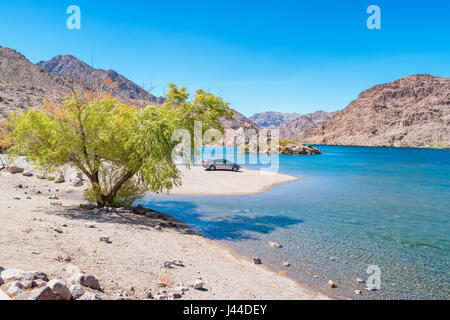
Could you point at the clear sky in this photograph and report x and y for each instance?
(287, 56)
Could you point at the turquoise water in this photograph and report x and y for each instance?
(353, 207)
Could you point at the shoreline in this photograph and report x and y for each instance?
(136, 254)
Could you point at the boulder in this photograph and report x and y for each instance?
(89, 281)
(15, 288)
(73, 273)
(44, 293)
(76, 291)
(292, 149)
(14, 169)
(21, 275)
(60, 289)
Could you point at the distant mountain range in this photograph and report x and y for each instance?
(410, 112)
(290, 124)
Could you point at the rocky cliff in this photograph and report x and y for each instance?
(409, 112)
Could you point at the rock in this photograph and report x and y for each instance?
(105, 239)
(76, 182)
(175, 295)
(73, 273)
(178, 263)
(44, 293)
(90, 225)
(257, 260)
(60, 289)
(331, 284)
(1, 281)
(359, 280)
(89, 281)
(160, 297)
(76, 291)
(358, 292)
(286, 264)
(53, 197)
(181, 290)
(371, 288)
(40, 283)
(168, 265)
(27, 174)
(16, 198)
(16, 288)
(91, 296)
(28, 284)
(14, 169)
(198, 284)
(41, 177)
(60, 179)
(20, 275)
(157, 227)
(274, 244)
(56, 203)
(292, 149)
(57, 229)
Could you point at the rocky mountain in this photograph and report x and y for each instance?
(239, 121)
(273, 119)
(68, 65)
(290, 124)
(291, 129)
(409, 112)
(25, 85)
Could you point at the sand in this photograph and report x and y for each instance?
(198, 181)
(137, 251)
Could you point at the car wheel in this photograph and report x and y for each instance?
(212, 168)
(235, 169)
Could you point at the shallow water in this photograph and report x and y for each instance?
(354, 207)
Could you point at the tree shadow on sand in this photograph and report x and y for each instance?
(152, 220)
(232, 226)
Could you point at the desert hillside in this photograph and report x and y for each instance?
(409, 112)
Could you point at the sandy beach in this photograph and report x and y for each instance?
(132, 264)
(198, 181)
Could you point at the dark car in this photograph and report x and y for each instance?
(221, 164)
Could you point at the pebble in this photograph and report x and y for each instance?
(257, 260)
(331, 284)
(359, 280)
(105, 239)
(274, 244)
(198, 284)
(286, 264)
(358, 292)
(57, 229)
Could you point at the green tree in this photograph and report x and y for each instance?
(123, 150)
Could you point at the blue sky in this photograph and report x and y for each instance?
(287, 56)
